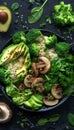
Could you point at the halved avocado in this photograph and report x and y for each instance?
(5, 18)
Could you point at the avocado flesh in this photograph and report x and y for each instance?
(4, 27)
(16, 58)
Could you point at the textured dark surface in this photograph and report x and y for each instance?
(65, 108)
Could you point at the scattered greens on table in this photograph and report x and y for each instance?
(15, 6)
(16, 61)
(52, 119)
(70, 118)
(36, 13)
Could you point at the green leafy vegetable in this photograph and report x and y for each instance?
(34, 49)
(32, 35)
(42, 122)
(18, 37)
(36, 13)
(62, 48)
(31, 1)
(63, 14)
(70, 118)
(4, 75)
(18, 97)
(51, 41)
(15, 6)
(54, 118)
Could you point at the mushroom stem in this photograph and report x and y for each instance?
(1, 111)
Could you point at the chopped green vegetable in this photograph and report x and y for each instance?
(15, 6)
(35, 102)
(34, 49)
(63, 14)
(48, 19)
(36, 13)
(4, 75)
(62, 48)
(18, 97)
(42, 25)
(18, 37)
(32, 35)
(51, 41)
(70, 118)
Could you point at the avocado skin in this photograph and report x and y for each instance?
(4, 27)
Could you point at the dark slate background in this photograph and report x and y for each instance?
(19, 114)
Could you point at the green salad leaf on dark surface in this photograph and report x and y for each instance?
(37, 69)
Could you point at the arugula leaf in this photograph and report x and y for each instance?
(36, 13)
(70, 118)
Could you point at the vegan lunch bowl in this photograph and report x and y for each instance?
(36, 70)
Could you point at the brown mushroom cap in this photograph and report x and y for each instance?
(34, 68)
(21, 87)
(49, 102)
(3, 16)
(38, 84)
(56, 91)
(5, 113)
(46, 66)
(28, 80)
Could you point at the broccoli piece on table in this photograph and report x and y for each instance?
(32, 35)
(62, 48)
(4, 76)
(63, 14)
(34, 49)
(51, 41)
(19, 37)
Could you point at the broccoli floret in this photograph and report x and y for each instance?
(63, 14)
(62, 48)
(34, 49)
(4, 75)
(51, 41)
(32, 35)
(19, 37)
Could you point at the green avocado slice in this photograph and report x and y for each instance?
(5, 18)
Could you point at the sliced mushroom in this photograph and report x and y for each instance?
(5, 113)
(56, 91)
(22, 87)
(38, 84)
(28, 80)
(44, 69)
(34, 68)
(48, 102)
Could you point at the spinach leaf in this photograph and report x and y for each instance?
(42, 121)
(70, 118)
(31, 1)
(54, 118)
(36, 13)
(15, 6)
